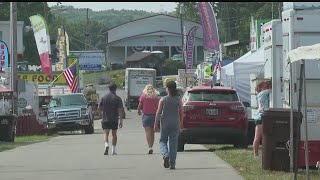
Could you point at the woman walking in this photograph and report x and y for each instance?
(148, 103)
(263, 89)
(168, 117)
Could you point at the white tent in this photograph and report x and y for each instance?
(229, 68)
(301, 55)
(237, 74)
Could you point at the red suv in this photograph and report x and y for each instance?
(213, 116)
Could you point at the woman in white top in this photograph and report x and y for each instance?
(263, 98)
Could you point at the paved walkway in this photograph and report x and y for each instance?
(80, 157)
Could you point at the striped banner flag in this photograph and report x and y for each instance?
(70, 74)
(217, 68)
(41, 35)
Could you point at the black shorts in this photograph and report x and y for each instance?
(109, 125)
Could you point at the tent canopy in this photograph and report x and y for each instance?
(229, 69)
(305, 53)
(237, 74)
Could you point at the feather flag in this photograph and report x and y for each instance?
(41, 35)
(63, 47)
(209, 26)
(190, 46)
(217, 68)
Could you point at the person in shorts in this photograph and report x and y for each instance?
(148, 103)
(111, 108)
(263, 98)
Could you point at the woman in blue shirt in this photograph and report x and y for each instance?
(263, 98)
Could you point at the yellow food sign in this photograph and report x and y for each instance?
(42, 78)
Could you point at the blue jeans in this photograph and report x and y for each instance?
(172, 136)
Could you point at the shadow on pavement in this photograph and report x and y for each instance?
(224, 148)
(198, 168)
(137, 154)
(199, 150)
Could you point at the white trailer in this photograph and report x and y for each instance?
(135, 81)
(300, 28)
(273, 59)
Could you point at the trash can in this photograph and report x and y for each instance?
(275, 156)
(275, 137)
(276, 123)
(7, 127)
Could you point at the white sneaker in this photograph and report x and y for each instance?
(114, 153)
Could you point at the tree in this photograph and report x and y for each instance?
(171, 67)
(233, 18)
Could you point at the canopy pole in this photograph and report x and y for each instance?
(297, 136)
(291, 120)
(306, 151)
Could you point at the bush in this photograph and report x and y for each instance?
(171, 67)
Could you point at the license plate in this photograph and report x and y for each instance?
(212, 112)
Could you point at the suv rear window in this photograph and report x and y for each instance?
(228, 96)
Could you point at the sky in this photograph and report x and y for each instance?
(146, 6)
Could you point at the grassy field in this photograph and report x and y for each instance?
(21, 140)
(250, 167)
(91, 78)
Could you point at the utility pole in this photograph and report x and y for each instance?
(87, 33)
(272, 10)
(45, 11)
(182, 41)
(13, 55)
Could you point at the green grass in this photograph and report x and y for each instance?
(250, 167)
(33, 138)
(5, 147)
(23, 140)
(91, 78)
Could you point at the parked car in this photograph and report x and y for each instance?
(162, 91)
(177, 57)
(69, 112)
(213, 116)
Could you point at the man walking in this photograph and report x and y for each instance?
(111, 107)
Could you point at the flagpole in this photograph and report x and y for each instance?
(55, 79)
(220, 61)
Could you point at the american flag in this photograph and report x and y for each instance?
(216, 68)
(71, 77)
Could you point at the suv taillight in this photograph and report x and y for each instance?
(237, 108)
(187, 107)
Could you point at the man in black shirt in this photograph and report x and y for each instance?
(111, 107)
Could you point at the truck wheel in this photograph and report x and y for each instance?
(89, 129)
(10, 135)
(180, 146)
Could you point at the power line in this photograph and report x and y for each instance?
(77, 46)
(84, 43)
